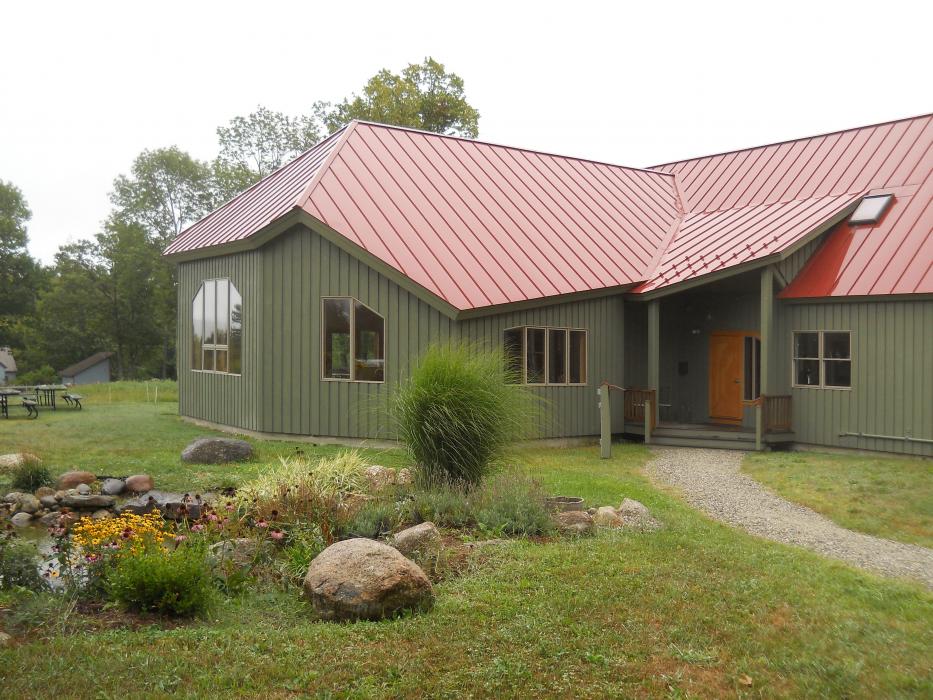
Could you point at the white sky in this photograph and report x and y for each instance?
(87, 85)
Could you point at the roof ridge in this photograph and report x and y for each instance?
(425, 132)
(345, 132)
(794, 140)
(831, 195)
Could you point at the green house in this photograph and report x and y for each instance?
(780, 294)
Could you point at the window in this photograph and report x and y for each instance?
(353, 340)
(870, 209)
(752, 389)
(217, 328)
(554, 356)
(823, 359)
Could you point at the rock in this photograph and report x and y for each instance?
(362, 579)
(175, 506)
(49, 502)
(83, 489)
(88, 502)
(59, 495)
(28, 504)
(575, 522)
(113, 487)
(217, 451)
(632, 508)
(424, 539)
(44, 491)
(16, 460)
(591, 511)
(50, 519)
(139, 483)
(380, 477)
(240, 551)
(606, 516)
(101, 514)
(5, 640)
(13, 497)
(404, 477)
(69, 480)
(21, 519)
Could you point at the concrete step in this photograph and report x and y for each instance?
(720, 444)
(704, 434)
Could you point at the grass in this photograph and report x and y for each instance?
(697, 609)
(889, 497)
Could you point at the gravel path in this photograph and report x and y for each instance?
(711, 480)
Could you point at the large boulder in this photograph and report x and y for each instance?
(574, 522)
(139, 483)
(112, 487)
(215, 450)
(70, 480)
(87, 502)
(16, 460)
(631, 508)
(423, 540)
(606, 516)
(380, 477)
(27, 503)
(21, 519)
(362, 579)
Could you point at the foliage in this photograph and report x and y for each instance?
(173, 582)
(458, 412)
(424, 96)
(30, 475)
(261, 142)
(373, 519)
(512, 504)
(303, 542)
(41, 375)
(443, 504)
(39, 612)
(19, 273)
(18, 563)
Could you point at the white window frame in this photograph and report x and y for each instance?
(218, 346)
(821, 359)
(385, 346)
(547, 351)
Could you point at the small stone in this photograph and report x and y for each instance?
(69, 480)
(380, 477)
(216, 450)
(50, 519)
(48, 501)
(5, 640)
(101, 514)
(361, 579)
(139, 483)
(575, 522)
(606, 516)
(83, 489)
(112, 487)
(423, 539)
(404, 477)
(21, 519)
(43, 491)
(632, 508)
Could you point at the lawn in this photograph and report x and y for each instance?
(697, 609)
(889, 497)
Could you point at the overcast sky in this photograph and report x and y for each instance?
(86, 86)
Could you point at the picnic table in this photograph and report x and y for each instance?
(5, 395)
(45, 394)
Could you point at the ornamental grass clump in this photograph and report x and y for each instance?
(459, 410)
(30, 475)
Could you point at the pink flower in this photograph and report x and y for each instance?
(262, 523)
(229, 507)
(276, 534)
(181, 538)
(213, 517)
(197, 527)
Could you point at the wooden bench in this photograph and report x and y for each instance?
(32, 407)
(73, 400)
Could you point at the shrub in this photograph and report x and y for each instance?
(30, 475)
(458, 411)
(303, 543)
(373, 519)
(512, 504)
(41, 375)
(448, 506)
(19, 564)
(169, 582)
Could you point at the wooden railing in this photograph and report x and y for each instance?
(634, 406)
(776, 413)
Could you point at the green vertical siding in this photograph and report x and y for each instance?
(221, 398)
(892, 374)
(570, 410)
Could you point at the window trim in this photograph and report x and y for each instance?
(215, 346)
(820, 359)
(547, 353)
(385, 346)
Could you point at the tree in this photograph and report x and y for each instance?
(424, 96)
(19, 272)
(166, 191)
(257, 144)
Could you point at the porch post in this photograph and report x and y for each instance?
(654, 353)
(605, 422)
(767, 328)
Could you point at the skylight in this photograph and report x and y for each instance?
(870, 209)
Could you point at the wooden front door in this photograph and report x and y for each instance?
(726, 363)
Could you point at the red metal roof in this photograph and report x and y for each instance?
(480, 224)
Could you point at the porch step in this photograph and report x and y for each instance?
(707, 442)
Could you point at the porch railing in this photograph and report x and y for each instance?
(634, 406)
(776, 413)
